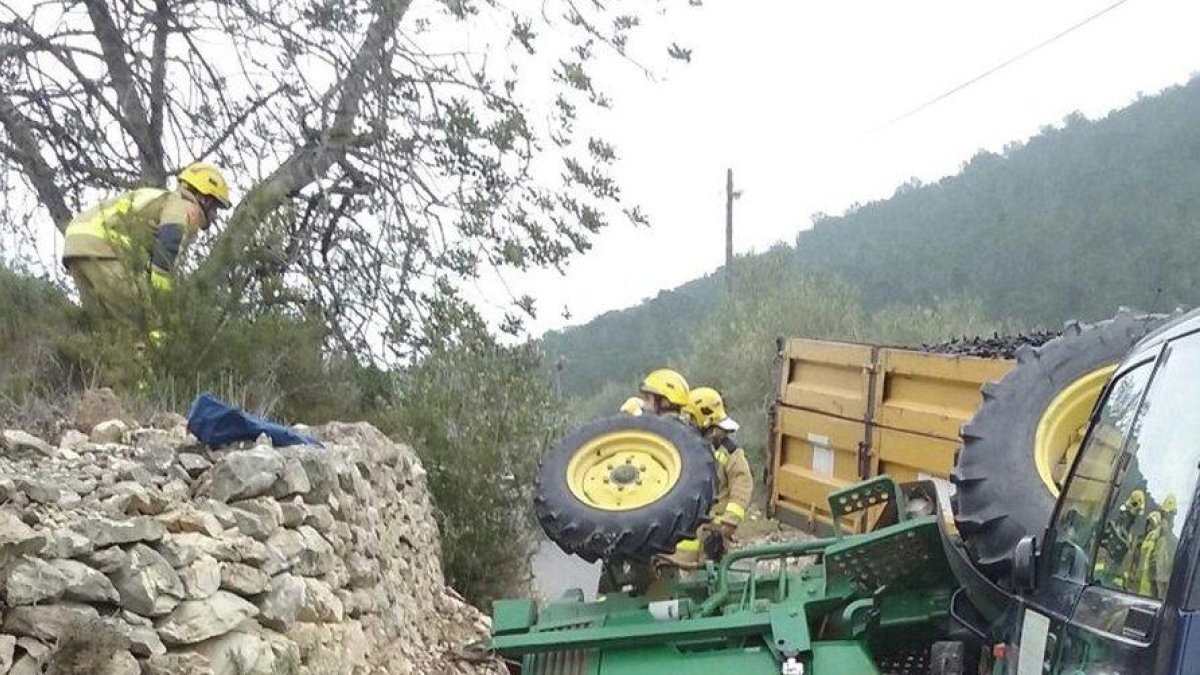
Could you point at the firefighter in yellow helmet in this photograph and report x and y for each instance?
(119, 249)
(662, 392)
(735, 481)
(1116, 539)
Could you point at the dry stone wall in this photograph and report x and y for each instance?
(137, 550)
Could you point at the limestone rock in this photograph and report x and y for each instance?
(257, 518)
(293, 480)
(182, 663)
(243, 579)
(130, 530)
(39, 491)
(316, 557)
(121, 663)
(198, 620)
(134, 498)
(176, 490)
(220, 510)
(46, 622)
(155, 450)
(320, 518)
(16, 441)
(363, 571)
(66, 543)
(322, 477)
(202, 578)
(109, 431)
(107, 560)
(72, 440)
(34, 647)
(280, 606)
(26, 665)
(8, 644)
(34, 580)
(143, 640)
(292, 514)
(284, 547)
(245, 473)
(17, 538)
(188, 518)
(319, 604)
(241, 652)
(148, 586)
(193, 464)
(177, 553)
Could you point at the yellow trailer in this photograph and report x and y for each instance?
(846, 412)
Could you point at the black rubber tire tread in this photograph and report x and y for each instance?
(637, 534)
(1000, 497)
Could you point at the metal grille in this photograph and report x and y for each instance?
(877, 562)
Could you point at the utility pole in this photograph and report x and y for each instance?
(729, 196)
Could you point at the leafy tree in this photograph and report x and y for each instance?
(379, 162)
(734, 349)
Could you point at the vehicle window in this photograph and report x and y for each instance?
(1087, 491)
(1140, 537)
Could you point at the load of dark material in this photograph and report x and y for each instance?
(995, 347)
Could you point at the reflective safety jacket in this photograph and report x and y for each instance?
(735, 482)
(147, 226)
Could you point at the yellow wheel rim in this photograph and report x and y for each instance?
(1063, 423)
(623, 470)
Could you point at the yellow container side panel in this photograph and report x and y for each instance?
(816, 454)
(909, 457)
(931, 394)
(827, 377)
(930, 455)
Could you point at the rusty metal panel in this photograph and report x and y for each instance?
(827, 377)
(931, 394)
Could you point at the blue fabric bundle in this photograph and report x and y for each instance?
(217, 423)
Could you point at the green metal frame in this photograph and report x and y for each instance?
(862, 595)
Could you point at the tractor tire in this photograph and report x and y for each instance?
(1001, 493)
(592, 506)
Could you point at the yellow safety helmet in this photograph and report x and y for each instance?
(1153, 520)
(207, 180)
(1170, 504)
(708, 409)
(668, 384)
(1136, 501)
(632, 405)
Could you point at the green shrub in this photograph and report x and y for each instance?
(480, 414)
(35, 374)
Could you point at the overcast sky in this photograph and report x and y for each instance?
(795, 96)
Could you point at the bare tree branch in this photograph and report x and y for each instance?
(29, 157)
(310, 162)
(158, 68)
(113, 46)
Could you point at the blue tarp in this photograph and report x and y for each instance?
(217, 423)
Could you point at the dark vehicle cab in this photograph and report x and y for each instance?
(1111, 587)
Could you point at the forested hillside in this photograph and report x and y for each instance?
(1073, 223)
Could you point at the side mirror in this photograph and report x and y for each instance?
(1024, 565)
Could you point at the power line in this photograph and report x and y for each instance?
(1004, 64)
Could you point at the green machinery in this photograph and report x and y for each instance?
(868, 603)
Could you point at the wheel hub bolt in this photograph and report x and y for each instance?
(624, 474)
